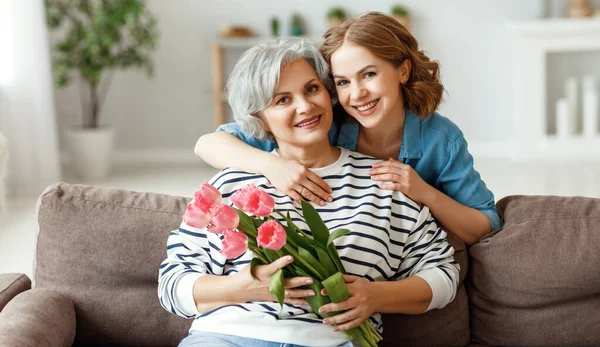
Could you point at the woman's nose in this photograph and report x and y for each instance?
(305, 106)
(357, 91)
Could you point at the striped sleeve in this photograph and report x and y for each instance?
(428, 255)
(191, 254)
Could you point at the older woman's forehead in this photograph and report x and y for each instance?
(297, 72)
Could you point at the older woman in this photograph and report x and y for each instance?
(397, 258)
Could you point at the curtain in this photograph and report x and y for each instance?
(27, 113)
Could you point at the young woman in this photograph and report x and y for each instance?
(389, 90)
(396, 257)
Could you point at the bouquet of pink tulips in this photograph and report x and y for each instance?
(270, 240)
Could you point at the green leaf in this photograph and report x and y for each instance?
(326, 261)
(337, 233)
(336, 258)
(253, 263)
(271, 254)
(315, 302)
(246, 223)
(306, 256)
(315, 223)
(336, 287)
(276, 286)
(257, 222)
(294, 239)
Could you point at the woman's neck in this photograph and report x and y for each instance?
(315, 156)
(386, 137)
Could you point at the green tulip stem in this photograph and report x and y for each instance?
(297, 257)
(295, 227)
(258, 254)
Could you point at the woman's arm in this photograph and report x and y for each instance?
(211, 291)
(462, 203)
(465, 222)
(426, 279)
(188, 284)
(222, 149)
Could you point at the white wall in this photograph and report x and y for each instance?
(167, 114)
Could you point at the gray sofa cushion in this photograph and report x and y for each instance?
(38, 317)
(102, 248)
(536, 282)
(10, 285)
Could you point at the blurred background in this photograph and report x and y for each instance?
(116, 93)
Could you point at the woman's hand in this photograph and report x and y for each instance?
(263, 273)
(402, 177)
(358, 307)
(296, 181)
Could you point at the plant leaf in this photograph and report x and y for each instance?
(315, 223)
(336, 258)
(246, 223)
(326, 261)
(335, 234)
(316, 301)
(270, 254)
(276, 286)
(306, 256)
(337, 290)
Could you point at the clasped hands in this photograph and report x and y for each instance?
(352, 312)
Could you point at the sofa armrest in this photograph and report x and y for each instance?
(12, 285)
(38, 317)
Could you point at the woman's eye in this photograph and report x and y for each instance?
(341, 83)
(283, 100)
(312, 89)
(369, 74)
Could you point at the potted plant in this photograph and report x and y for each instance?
(335, 17)
(97, 38)
(297, 25)
(401, 14)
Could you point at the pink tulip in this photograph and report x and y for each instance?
(224, 217)
(207, 197)
(271, 235)
(196, 216)
(253, 200)
(234, 243)
(214, 229)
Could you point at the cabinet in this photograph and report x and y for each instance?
(534, 45)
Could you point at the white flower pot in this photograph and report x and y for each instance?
(91, 151)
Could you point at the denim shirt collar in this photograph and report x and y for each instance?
(412, 147)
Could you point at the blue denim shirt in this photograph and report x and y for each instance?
(434, 147)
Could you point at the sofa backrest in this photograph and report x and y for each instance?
(536, 282)
(102, 248)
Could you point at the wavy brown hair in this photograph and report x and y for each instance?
(389, 40)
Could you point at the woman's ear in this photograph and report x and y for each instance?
(404, 71)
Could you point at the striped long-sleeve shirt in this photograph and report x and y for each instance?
(391, 237)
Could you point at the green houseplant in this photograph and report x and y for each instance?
(95, 38)
(335, 17)
(402, 15)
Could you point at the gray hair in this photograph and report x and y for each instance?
(255, 77)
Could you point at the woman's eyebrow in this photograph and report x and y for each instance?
(311, 81)
(358, 72)
(307, 83)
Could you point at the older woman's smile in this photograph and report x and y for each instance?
(309, 123)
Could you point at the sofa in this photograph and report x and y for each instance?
(534, 282)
